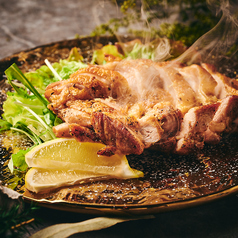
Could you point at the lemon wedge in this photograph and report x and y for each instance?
(69, 154)
(65, 161)
(41, 180)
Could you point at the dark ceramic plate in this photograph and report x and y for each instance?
(170, 182)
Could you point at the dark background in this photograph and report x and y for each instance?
(25, 24)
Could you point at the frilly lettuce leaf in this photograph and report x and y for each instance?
(65, 68)
(43, 76)
(4, 125)
(99, 55)
(18, 160)
(16, 110)
(28, 113)
(14, 113)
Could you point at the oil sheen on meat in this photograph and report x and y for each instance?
(132, 105)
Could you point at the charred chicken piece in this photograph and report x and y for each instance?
(132, 105)
(116, 135)
(206, 124)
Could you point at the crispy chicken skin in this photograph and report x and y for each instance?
(132, 105)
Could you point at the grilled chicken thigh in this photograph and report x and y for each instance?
(132, 105)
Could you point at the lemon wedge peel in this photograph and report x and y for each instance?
(66, 161)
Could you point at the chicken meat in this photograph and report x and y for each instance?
(132, 105)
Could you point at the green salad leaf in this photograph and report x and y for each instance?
(142, 51)
(4, 125)
(137, 51)
(65, 68)
(25, 110)
(13, 72)
(18, 159)
(43, 76)
(99, 55)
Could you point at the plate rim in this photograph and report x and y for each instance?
(134, 209)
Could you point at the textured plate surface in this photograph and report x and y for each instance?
(170, 182)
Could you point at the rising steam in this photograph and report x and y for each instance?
(216, 47)
(219, 44)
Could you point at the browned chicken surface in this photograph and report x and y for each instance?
(131, 105)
